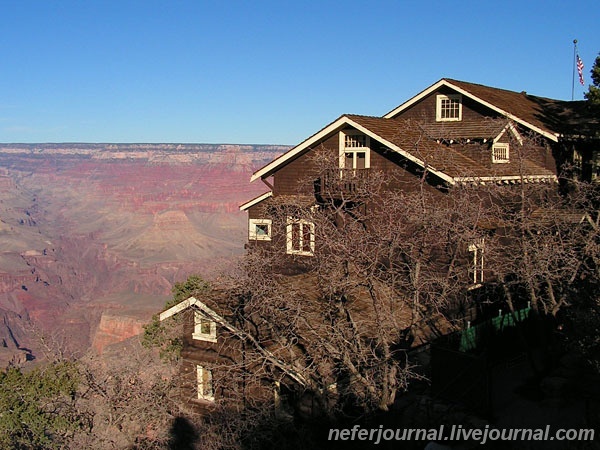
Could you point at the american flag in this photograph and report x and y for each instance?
(580, 69)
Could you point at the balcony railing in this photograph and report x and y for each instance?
(335, 183)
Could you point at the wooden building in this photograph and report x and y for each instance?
(451, 134)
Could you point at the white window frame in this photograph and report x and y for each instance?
(438, 107)
(253, 235)
(477, 248)
(203, 392)
(200, 321)
(366, 149)
(497, 149)
(289, 238)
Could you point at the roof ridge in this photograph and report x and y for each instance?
(524, 93)
(363, 115)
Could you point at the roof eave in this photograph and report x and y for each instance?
(414, 99)
(507, 179)
(256, 200)
(193, 302)
(268, 170)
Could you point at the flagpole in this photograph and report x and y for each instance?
(574, 64)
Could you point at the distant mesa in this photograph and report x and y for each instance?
(172, 220)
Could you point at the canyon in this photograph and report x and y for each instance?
(93, 236)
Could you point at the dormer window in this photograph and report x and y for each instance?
(500, 153)
(204, 328)
(448, 108)
(355, 152)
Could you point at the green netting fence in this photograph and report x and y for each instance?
(471, 336)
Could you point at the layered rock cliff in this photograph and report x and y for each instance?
(93, 236)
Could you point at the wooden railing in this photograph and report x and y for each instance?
(335, 183)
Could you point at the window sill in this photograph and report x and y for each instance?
(300, 253)
(204, 337)
(205, 401)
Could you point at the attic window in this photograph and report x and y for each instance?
(448, 108)
(204, 328)
(354, 151)
(500, 153)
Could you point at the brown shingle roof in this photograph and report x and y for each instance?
(548, 116)
(485, 128)
(527, 107)
(553, 116)
(409, 137)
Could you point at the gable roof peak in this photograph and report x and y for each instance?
(527, 110)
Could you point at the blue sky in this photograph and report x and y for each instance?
(265, 72)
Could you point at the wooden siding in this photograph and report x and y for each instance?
(425, 110)
(188, 341)
(297, 176)
(481, 153)
(294, 178)
(401, 174)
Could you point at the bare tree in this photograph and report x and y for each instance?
(378, 270)
(546, 243)
(381, 269)
(361, 268)
(127, 399)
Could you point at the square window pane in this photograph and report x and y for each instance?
(296, 236)
(361, 158)
(349, 160)
(204, 326)
(306, 238)
(262, 229)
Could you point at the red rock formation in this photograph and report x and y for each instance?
(83, 227)
(115, 328)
